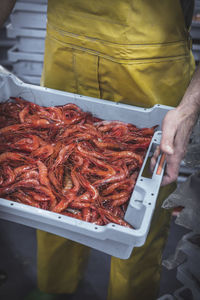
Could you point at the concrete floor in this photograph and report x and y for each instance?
(18, 259)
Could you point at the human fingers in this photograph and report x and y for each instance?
(169, 129)
(171, 170)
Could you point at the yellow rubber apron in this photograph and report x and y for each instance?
(135, 52)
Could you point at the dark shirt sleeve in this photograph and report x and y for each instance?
(188, 10)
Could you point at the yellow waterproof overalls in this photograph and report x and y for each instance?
(131, 51)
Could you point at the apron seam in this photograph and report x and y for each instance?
(75, 72)
(121, 60)
(71, 34)
(98, 77)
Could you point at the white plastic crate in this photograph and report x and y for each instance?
(3, 53)
(191, 247)
(29, 15)
(27, 39)
(188, 280)
(196, 51)
(28, 68)
(15, 55)
(112, 239)
(195, 30)
(32, 79)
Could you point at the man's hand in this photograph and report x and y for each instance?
(176, 129)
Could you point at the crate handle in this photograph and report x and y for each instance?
(161, 164)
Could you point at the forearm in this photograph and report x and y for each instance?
(177, 127)
(6, 7)
(191, 99)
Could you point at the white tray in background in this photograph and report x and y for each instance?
(27, 39)
(112, 239)
(28, 68)
(29, 15)
(196, 51)
(26, 65)
(31, 79)
(15, 55)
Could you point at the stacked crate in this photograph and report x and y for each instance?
(28, 27)
(5, 44)
(188, 273)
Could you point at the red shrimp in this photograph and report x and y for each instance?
(48, 192)
(13, 156)
(64, 154)
(1, 179)
(117, 196)
(55, 113)
(72, 215)
(108, 125)
(43, 151)
(9, 174)
(35, 107)
(29, 183)
(23, 113)
(53, 179)
(76, 183)
(41, 123)
(107, 144)
(119, 176)
(137, 139)
(91, 129)
(94, 216)
(38, 197)
(52, 114)
(148, 131)
(124, 154)
(84, 152)
(70, 131)
(28, 144)
(98, 172)
(84, 197)
(86, 212)
(79, 205)
(22, 197)
(77, 159)
(117, 211)
(110, 170)
(86, 184)
(70, 106)
(43, 174)
(67, 183)
(72, 117)
(120, 201)
(109, 216)
(11, 128)
(29, 174)
(115, 186)
(64, 203)
(19, 170)
(100, 222)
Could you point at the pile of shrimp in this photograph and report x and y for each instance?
(68, 161)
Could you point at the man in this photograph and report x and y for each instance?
(135, 52)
